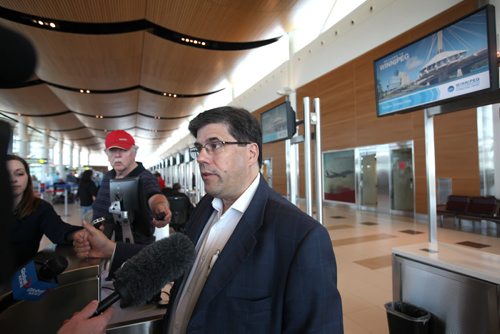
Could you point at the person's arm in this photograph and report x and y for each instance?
(54, 227)
(81, 322)
(158, 204)
(312, 301)
(91, 242)
(93, 189)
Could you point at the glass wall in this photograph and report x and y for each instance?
(377, 178)
(338, 178)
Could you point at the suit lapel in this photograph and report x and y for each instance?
(199, 218)
(239, 245)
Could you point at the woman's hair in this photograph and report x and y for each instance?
(86, 176)
(29, 202)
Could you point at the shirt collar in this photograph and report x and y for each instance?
(135, 172)
(242, 203)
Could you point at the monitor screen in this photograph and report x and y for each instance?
(278, 123)
(126, 191)
(457, 60)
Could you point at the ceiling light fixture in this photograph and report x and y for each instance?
(193, 41)
(44, 23)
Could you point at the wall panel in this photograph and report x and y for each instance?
(349, 120)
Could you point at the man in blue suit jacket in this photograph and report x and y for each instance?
(276, 273)
(262, 265)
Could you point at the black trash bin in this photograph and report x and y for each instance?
(404, 318)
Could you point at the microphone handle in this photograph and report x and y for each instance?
(7, 301)
(106, 302)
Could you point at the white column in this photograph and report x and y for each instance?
(430, 167)
(496, 148)
(23, 137)
(71, 152)
(46, 155)
(79, 161)
(60, 166)
(292, 150)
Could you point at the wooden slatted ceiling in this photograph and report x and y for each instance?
(87, 61)
(124, 60)
(126, 122)
(84, 134)
(81, 11)
(59, 122)
(156, 105)
(157, 124)
(37, 100)
(183, 69)
(99, 104)
(223, 20)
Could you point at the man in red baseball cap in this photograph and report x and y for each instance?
(119, 139)
(154, 207)
(121, 152)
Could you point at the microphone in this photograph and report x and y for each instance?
(143, 275)
(17, 58)
(34, 279)
(51, 268)
(8, 265)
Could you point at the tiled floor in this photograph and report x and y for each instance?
(363, 243)
(363, 254)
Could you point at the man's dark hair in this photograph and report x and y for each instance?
(242, 125)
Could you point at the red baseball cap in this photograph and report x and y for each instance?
(120, 139)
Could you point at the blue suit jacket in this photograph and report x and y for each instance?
(276, 274)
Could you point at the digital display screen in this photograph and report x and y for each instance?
(451, 62)
(277, 123)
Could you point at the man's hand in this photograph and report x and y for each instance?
(161, 212)
(91, 242)
(80, 322)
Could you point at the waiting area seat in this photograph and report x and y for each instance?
(473, 208)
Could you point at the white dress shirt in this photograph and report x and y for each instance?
(211, 243)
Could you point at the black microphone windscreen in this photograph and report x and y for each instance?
(143, 275)
(17, 58)
(52, 267)
(6, 248)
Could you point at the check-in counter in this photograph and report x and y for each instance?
(78, 285)
(460, 286)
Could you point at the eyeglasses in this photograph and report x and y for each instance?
(212, 147)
